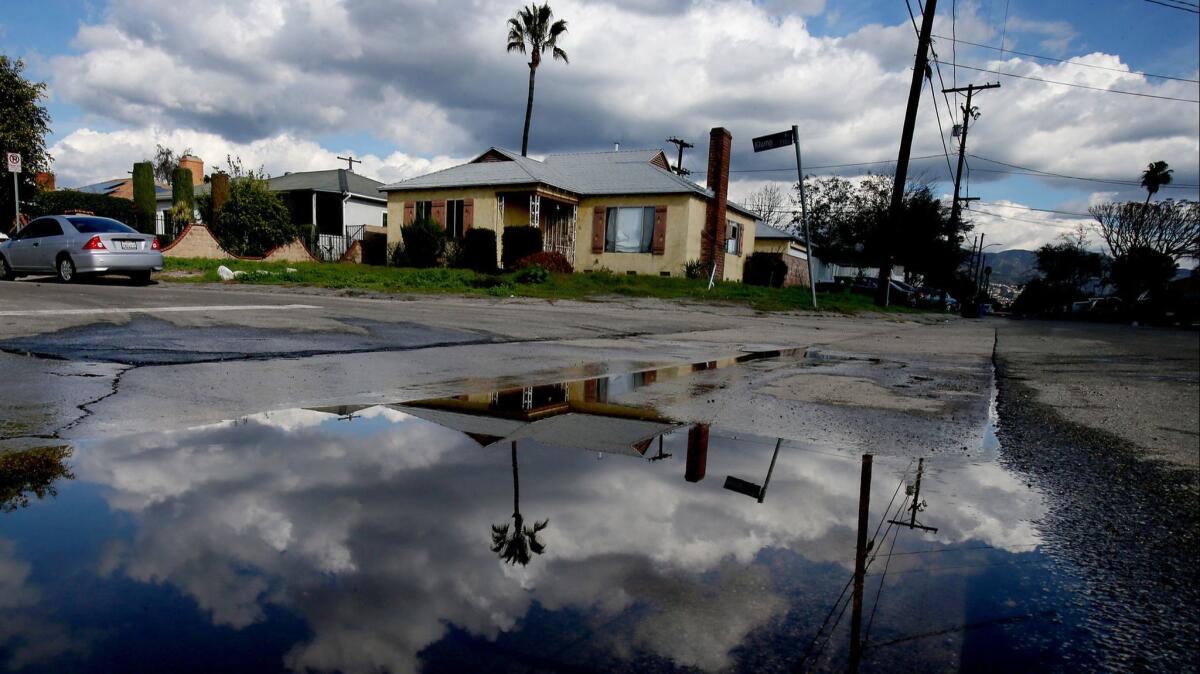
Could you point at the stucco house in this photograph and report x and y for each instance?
(789, 247)
(623, 210)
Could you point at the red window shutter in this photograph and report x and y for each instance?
(410, 212)
(439, 212)
(659, 244)
(598, 229)
(468, 214)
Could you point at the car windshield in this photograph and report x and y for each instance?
(93, 225)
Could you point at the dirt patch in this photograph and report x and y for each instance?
(849, 391)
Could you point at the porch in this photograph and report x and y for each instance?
(557, 215)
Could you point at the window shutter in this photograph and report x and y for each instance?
(468, 214)
(439, 212)
(410, 212)
(598, 229)
(659, 245)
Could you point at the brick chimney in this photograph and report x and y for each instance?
(712, 237)
(44, 181)
(196, 165)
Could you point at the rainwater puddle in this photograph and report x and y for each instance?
(545, 528)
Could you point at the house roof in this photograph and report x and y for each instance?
(336, 181)
(764, 231)
(583, 173)
(105, 187)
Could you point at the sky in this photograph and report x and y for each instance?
(411, 86)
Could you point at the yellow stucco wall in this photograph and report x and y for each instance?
(735, 263)
(484, 204)
(770, 246)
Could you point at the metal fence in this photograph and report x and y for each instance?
(331, 247)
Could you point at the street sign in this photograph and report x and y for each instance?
(775, 140)
(13, 159)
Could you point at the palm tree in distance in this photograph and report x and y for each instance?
(1155, 176)
(519, 544)
(532, 31)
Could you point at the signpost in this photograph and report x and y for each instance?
(784, 139)
(13, 161)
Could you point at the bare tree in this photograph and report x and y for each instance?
(771, 204)
(165, 162)
(1169, 227)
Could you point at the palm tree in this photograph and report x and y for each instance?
(1155, 176)
(522, 544)
(531, 31)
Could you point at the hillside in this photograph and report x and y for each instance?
(1013, 267)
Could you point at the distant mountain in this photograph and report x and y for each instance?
(1013, 267)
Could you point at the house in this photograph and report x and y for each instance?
(163, 197)
(790, 247)
(624, 211)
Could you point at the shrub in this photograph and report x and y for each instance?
(479, 251)
(765, 269)
(533, 274)
(520, 242)
(424, 243)
(219, 189)
(550, 261)
(182, 190)
(144, 201)
(52, 203)
(254, 220)
(693, 269)
(396, 255)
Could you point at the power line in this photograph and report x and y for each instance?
(826, 166)
(1182, 9)
(1111, 181)
(1068, 61)
(1079, 86)
(1040, 210)
(1011, 217)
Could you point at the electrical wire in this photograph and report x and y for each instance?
(1111, 181)
(1016, 219)
(1079, 86)
(825, 166)
(1182, 9)
(1067, 61)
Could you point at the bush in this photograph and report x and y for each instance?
(552, 262)
(520, 242)
(54, 203)
(533, 274)
(693, 269)
(182, 190)
(254, 220)
(765, 269)
(424, 243)
(144, 197)
(478, 251)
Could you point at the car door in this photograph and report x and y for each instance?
(26, 244)
(46, 244)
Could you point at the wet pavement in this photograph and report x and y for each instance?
(558, 527)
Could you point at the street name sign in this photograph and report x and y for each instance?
(775, 140)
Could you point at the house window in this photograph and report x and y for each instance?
(454, 219)
(385, 218)
(629, 230)
(734, 243)
(424, 209)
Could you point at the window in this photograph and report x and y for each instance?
(42, 227)
(93, 225)
(424, 210)
(734, 243)
(629, 230)
(385, 218)
(454, 219)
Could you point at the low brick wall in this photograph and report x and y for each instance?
(290, 252)
(197, 241)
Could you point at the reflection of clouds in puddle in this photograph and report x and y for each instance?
(376, 531)
(28, 638)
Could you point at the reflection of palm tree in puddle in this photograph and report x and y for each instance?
(31, 471)
(519, 543)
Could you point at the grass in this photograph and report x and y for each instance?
(345, 276)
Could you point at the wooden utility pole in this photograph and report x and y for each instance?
(860, 557)
(969, 114)
(682, 145)
(916, 506)
(910, 121)
(351, 161)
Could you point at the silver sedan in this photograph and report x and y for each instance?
(72, 245)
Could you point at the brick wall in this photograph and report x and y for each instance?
(196, 241)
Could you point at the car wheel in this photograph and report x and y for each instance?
(66, 270)
(6, 272)
(140, 277)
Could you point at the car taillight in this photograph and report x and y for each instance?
(154, 244)
(94, 243)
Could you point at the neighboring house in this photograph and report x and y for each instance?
(123, 188)
(789, 247)
(624, 211)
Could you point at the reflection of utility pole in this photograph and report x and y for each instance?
(860, 561)
(749, 488)
(660, 456)
(682, 144)
(697, 453)
(917, 504)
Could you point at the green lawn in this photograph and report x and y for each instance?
(464, 282)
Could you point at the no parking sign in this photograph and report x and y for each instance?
(13, 159)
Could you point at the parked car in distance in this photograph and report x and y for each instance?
(3, 237)
(70, 246)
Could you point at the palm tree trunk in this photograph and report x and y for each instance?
(528, 112)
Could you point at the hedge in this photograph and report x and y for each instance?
(61, 201)
(765, 269)
(424, 243)
(518, 243)
(479, 250)
(144, 198)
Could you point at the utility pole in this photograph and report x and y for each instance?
(808, 244)
(351, 161)
(917, 505)
(969, 113)
(860, 556)
(910, 121)
(682, 145)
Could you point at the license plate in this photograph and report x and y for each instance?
(129, 245)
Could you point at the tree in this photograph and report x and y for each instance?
(518, 544)
(165, 162)
(532, 31)
(145, 200)
(1169, 227)
(1064, 269)
(1141, 270)
(771, 204)
(1155, 176)
(182, 190)
(254, 219)
(23, 128)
